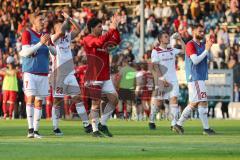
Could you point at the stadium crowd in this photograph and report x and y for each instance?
(221, 21)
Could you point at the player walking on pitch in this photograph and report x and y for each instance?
(63, 79)
(98, 72)
(35, 56)
(166, 83)
(196, 68)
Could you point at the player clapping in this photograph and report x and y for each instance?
(196, 67)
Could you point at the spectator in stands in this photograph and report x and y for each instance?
(225, 36)
(183, 31)
(195, 10)
(211, 108)
(224, 109)
(237, 36)
(219, 9)
(166, 26)
(236, 93)
(123, 28)
(122, 8)
(236, 50)
(179, 8)
(207, 7)
(234, 7)
(158, 12)
(148, 11)
(235, 66)
(167, 11)
(152, 27)
(212, 65)
(177, 22)
(136, 11)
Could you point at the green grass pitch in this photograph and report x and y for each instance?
(132, 141)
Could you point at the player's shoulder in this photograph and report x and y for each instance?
(157, 49)
(26, 32)
(190, 44)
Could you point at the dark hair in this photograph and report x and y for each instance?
(161, 34)
(93, 23)
(195, 26)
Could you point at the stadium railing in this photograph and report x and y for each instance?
(58, 4)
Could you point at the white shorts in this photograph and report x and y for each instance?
(35, 85)
(172, 91)
(95, 89)
(69, 86)
(197, 91)
(106, 86)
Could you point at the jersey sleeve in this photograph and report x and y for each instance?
(99, 41)
(190, 49)
(176, 51)
(154, 56)
(26, 38)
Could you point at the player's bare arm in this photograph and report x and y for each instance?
(76, 26)
(59, 31)
(115, 20)
(3, 71)
(182, 43)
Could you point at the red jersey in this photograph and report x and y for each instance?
(80, 72)
(97, 54)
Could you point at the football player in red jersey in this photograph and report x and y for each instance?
(98, 72)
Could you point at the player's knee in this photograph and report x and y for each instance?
(115, 100)
(30, 99)
(96, 104)
(38, 103)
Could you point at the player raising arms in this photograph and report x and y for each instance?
(166, 83)
(35, 66)
(63, 79)
(98, 71)
(196, 73)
